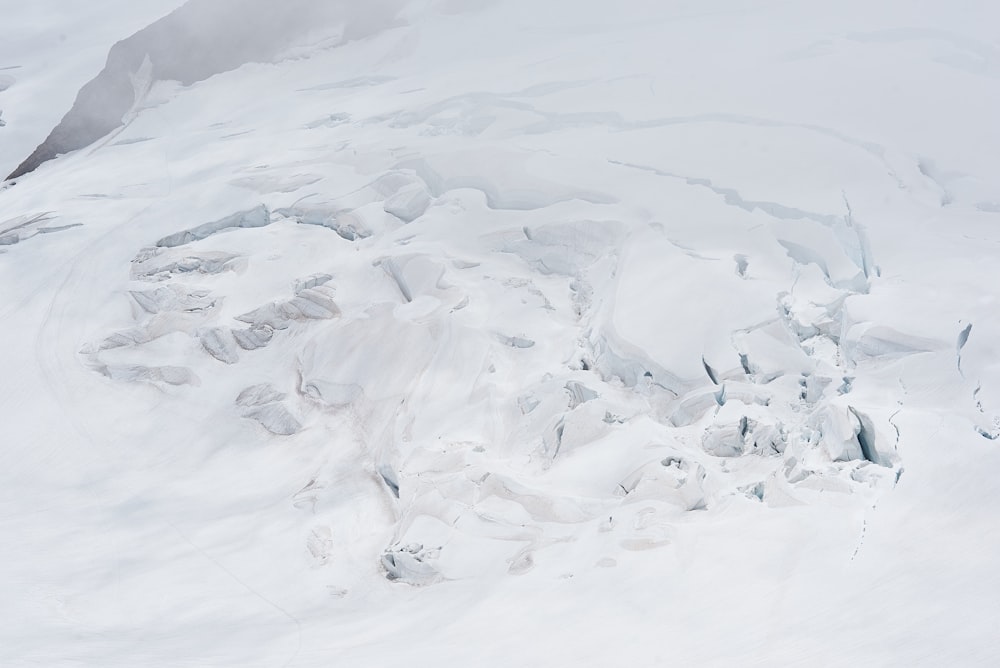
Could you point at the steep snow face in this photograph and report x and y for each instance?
(517, 333)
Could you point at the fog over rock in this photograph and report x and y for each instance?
(196, 41)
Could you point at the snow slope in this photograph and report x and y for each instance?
(518, 334)
(197, 40)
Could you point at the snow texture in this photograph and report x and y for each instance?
(464, 332)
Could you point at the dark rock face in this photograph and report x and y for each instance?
(196, 41)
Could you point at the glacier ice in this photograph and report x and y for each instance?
(507, 332)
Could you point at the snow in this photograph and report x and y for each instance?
(514, 333)
(48, 50)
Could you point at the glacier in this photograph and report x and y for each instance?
(456, 332)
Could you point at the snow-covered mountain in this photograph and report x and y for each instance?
(500, 333)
